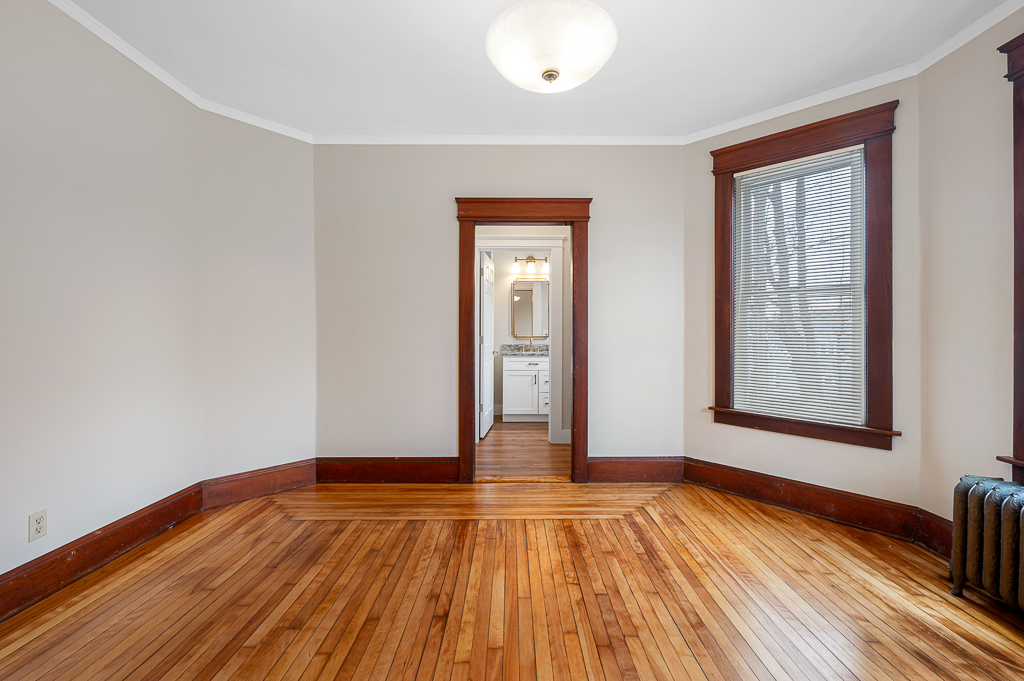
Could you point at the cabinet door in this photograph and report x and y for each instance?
(519, 392)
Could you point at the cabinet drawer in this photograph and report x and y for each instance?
(545, 404)
(544, 380)
(526, 363)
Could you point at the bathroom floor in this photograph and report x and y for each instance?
(521, 450)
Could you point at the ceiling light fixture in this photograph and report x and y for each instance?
(551, 45)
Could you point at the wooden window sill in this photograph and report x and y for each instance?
(862, 436)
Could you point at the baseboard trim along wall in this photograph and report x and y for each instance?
(258, 483)
(901, 521)
(30, 583)
(396, 470)
(635, 469)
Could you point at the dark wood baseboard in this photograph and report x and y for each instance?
(935, 533)
(901, 521)
(635, 469)
(46, 575)
(395, 470)
(258, 483)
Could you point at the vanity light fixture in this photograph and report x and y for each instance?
(531, 267)
(551, 46)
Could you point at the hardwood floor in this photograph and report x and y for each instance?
(521, 450)
(531, 581)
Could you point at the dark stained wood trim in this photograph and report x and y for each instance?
(467, 352)
(724, 185)
(890, 518)
(521, 210)
(394, 470)
(1014, 51)
(48, 574)
(251, 484)
(878, 281)
(1011, 460)
(851, 435)
(873, 127)
(832, 133)
(580, 380)
(935, 533)
(636, 469)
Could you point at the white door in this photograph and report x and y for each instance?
(519, 392)
(486, 362)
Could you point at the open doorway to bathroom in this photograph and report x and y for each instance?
(522, 361)
(526, 219)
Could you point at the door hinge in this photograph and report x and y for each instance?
(481, 271)
(481, 340)
(481, 409)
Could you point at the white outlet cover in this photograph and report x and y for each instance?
(37, 525)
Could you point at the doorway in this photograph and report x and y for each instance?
(522, 359)
(574, 213)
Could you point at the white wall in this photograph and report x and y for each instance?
(890, 475)
(156, 290)
(385, 223)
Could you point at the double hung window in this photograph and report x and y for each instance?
(803, 281)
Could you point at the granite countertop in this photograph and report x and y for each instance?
(525, 350)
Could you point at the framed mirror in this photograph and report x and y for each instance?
(530, 308)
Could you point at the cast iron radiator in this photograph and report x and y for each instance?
(987, 550)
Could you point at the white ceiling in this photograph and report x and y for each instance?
(412, 70)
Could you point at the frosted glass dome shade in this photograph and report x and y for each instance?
(551, 45)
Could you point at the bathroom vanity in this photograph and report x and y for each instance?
(526, 384)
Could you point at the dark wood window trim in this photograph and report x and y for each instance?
(573, 212)
(872, 127)
(1014, 51)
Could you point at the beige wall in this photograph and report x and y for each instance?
(259, 303)
(156, 287)
(967, 260)
(385, 223)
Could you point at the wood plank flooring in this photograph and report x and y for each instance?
(537, 581)
(521, 450)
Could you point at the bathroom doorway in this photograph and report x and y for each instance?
(572, 217)
(522, 361)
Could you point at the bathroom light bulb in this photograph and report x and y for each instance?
(546, 269)
(530, 269)
(515, 267)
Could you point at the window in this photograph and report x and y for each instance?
(803, 279)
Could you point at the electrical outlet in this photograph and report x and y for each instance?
(37, 525)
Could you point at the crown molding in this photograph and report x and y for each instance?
(147, 65)
(908, 71)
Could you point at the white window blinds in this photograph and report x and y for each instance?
(798, 289)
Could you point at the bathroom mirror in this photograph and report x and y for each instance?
(530, 308)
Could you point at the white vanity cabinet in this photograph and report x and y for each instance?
(526, 388)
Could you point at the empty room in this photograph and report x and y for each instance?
(511, 339)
